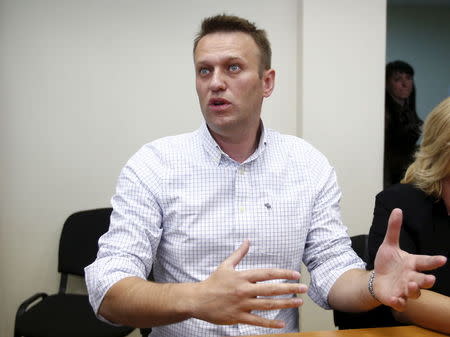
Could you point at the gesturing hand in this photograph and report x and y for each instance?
(228, 296)
(398, 273)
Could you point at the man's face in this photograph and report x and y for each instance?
(400, 85)
(229, 84)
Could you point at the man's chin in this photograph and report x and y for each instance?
(222, 125)
(221, 120)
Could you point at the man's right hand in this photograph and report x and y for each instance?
(229, 296)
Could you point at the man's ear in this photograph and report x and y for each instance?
(268, 82)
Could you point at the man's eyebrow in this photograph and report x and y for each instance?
(235, 58)
(230, 58)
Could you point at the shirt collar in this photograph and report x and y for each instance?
(215, 152)
(209, 144)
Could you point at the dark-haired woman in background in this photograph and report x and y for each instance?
(424, 197)
(402, 125)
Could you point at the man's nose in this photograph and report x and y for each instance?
(217, 81)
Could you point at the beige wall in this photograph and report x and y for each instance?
(83, 84)
(342, 110)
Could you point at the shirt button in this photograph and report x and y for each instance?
(242, 209)
(241, 170)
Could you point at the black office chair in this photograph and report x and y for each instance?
(359, 245)
(145, 331)
(350, 320)
(378, 317)
(64, 314)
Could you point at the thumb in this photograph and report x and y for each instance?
(237, 256)
(392, 236)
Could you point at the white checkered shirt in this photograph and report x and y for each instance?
(182, 206)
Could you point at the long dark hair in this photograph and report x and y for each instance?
(402, 128)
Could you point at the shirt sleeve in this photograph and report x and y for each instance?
(328, 253)
(129, 247)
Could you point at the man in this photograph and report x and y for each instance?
(224, 216)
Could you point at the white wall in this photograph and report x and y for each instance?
(342, 74)
(85, 83)
(342, 97)
(420, 35)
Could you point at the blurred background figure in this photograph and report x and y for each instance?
(402, 125)
(424, 197)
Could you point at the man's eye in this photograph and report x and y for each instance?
(203, 71)
(234, 68)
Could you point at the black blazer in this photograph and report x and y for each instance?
(425, 230)
(425, 227)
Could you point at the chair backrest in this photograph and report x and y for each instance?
(78, 244)
(145, 331)
(359, 245)
(350, 320)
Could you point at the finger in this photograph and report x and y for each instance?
(276, 289)
(247, 318)
(413, 290)
(393, 230)
(259, 275)
(423, 281)
(426, 281)
(237, 256)
(426, 262)
(274, 304)
(397, 303)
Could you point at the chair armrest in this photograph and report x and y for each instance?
(25, 304)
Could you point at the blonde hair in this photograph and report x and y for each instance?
(432, 161)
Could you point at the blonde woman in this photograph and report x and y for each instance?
(424, 197)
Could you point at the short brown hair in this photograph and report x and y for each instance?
(230, 23)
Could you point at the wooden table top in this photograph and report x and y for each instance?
(398, 331)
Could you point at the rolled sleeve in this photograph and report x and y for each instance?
(129, 247)
(328, 252)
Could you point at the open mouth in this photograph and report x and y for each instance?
(218, 103)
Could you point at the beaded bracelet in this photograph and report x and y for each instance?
(370, 285)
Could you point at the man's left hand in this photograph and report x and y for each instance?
(398, 274)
